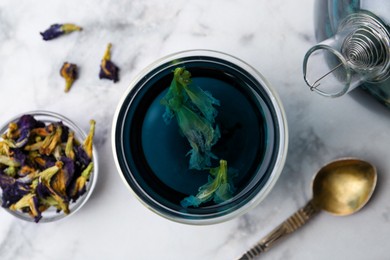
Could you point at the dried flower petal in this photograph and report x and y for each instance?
(108, 70)
(8, 161)
(82, 156)
(57, 30)
(89, 140)
(41, 166)
(34, 147)
(29, 201)
(62, 203)
(69, 146)
(19, 156)
(4, 148)
(69, 72)
(12, 130)
(47, 174)
(29, 122)
(80, 185)
(10, 171)
(64, 177)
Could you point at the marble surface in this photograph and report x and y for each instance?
(273, 37)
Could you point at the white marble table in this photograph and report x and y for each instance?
(272, 36)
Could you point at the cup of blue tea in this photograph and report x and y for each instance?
(195, 168)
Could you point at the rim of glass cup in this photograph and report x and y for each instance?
(50, 215)
(281, 128)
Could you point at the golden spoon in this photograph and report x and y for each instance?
(341, 188)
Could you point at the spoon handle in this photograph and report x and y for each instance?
(291, 224)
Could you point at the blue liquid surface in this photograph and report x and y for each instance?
(154, 152)
(165, 148)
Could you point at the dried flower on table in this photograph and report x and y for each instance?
(193, 109)
(43, 166)
(219, 188)
(108, 70)
(69, 72)
(57, 30)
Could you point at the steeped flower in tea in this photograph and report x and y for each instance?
(195, 115)
(219, 188)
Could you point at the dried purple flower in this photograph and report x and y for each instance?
(57, 30)
(43, 166)
(80, 184)
(69, 152)
(20, 156)
(82, 157)
(6, 181)
(28, 122)
(89, 140)
(108, 70)
(64, 177)
(8, 161)
(29, 202)
(51, 141)
(42, 191)
(69, 72)
(13, 190)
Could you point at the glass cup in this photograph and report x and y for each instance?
(151, 155)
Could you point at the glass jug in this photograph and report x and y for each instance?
(353, 48)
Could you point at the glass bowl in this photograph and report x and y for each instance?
(51, 213)
(151, 155)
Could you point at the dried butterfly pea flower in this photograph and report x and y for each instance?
(4, 149)
(63, 178)
(219, 188)
(29, 122)
(108, 70)
(10, 171)
(69, 72)
(57, 30)
(29, 201)
(80, 185)
(13, 190)
(69, 146)
(87, 145)
(51, 141)
(8, 161)
(52, 168)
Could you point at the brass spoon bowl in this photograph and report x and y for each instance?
(341, 188)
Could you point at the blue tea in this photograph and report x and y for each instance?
(155, 154)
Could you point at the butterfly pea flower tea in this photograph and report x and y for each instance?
(200, 137)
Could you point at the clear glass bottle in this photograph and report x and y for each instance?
(353, 49)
